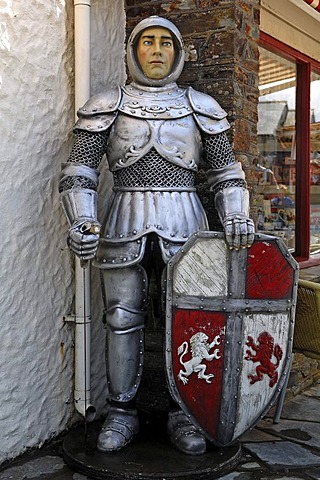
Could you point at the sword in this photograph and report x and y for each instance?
(83, 330)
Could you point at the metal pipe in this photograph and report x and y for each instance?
(82, 52)
(82, 386)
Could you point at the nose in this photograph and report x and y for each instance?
(157, 47)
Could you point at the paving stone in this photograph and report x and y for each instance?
(281, 455)
(313, 391)
(302, 407)
(236, 476)
(64, 474)
(34, 468)
(287, 477)
(314, 473)
(307, 433)
(257, 435)
(251, 466)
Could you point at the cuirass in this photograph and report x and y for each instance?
(154, 118)
(176, 140)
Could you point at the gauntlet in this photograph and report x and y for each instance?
(232, 204)
(80, 207)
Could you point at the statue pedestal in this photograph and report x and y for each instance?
(149, 456)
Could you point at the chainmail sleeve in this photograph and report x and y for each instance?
(84, 159)
(219, 156)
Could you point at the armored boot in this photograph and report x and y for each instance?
(184, 435)
(126, 293)
(118, 429)
(124, 362)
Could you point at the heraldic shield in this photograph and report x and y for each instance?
(229, 331)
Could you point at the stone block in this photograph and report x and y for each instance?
(283, 455)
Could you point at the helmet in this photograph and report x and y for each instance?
(133, 64)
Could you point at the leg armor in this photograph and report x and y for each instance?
(126, 296)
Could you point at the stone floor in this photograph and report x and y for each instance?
(287, 450)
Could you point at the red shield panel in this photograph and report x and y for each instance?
(229, 328)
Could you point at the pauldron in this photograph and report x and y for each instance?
(164, 103)
(99, 112)
(168, 119)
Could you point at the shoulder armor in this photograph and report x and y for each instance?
(99, 112)
(210, 117)
(205, 105)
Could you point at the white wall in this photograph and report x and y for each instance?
(36, 282)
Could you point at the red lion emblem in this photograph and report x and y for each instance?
(264, 350)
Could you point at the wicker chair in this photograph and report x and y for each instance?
(307, 325)
(307, 329)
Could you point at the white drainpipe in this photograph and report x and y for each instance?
(82, 51)
(82, 388)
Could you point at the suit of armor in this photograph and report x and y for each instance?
(153, 134)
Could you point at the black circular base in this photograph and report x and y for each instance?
(149, 456)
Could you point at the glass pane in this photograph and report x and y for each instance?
(276, 143)
(315, 165)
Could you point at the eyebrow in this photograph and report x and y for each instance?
(153, 36)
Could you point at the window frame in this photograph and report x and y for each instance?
(305, 65)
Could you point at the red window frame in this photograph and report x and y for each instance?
(305, 65)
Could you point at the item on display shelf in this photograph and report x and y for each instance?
(315, 172)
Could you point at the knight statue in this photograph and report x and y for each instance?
(154, 134)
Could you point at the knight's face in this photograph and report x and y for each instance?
(155, 52)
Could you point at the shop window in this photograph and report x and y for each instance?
(288, 197)
(276, 143)
(315, 164)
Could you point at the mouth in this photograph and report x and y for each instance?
(156, 62)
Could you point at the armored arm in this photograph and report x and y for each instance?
(225, 175)
(227, 181)
(77, 186)
(79, 176)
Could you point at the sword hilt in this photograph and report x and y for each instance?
(88, 228)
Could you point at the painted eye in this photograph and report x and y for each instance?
(167, 44)
(147, 42)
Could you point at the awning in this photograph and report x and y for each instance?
(313, 3)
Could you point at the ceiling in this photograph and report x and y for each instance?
(275, 73)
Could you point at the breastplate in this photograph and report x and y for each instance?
(161, 120)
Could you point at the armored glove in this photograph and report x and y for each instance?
(239, 231)
(83, 239)
(232, 204)
(80, 207)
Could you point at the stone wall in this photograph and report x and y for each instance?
(305, 371)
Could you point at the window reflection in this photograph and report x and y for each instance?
(276, 142)
(315, 164)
